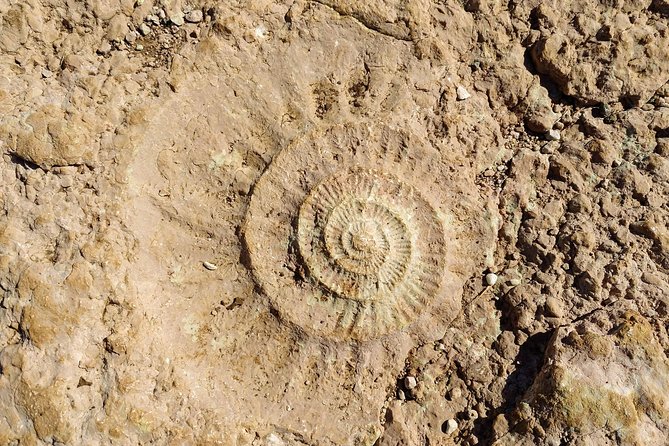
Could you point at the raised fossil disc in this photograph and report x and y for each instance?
(352, 233)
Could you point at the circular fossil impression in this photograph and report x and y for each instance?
(362, 235)
(357, 232)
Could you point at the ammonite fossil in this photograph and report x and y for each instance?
(360, 231)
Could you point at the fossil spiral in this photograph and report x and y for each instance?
(352, 235)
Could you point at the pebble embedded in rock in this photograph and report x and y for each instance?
(553, 135)
(462, 93)
(118, 28)
(177, 19)
(554, 307)
(131, 37)
(451, 426)
(210, 266)
(410, 382)
(195, 16)
(105, 48)
(491, 279)
(144, 29)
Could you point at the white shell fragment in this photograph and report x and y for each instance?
(210, 266)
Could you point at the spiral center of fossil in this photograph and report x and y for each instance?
(363, 241)
(363, 238)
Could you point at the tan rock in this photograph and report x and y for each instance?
(597, 380)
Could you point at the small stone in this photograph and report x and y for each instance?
(553, 135)
(400, 395)
(195, 16)
(549, 148)
(210, 266)
(105, 48)
(139, 47)
(410, 382)
(118, 28)
(260, 32)
(131, 37)
(46, 74)
(554, 307)
(177, 19)
(462, 93)
(472, 414)
(66, 181)
(144, 29)
(454, 394)
(541, 120)
(451, 426)
(491, 279)
(515, 282)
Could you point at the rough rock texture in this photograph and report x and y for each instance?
(270, 222)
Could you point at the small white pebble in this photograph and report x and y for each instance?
(462, 93)
(260, 32)
(410, 382)
(491, 279)
(553, 135)
(210, 266)
(139, 47)
(451, 426)
(400, 395)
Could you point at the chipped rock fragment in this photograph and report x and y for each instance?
(194, 16)
(410, 382)
(462, 93)
(553, 135)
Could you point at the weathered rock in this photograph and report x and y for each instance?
(598, 380)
